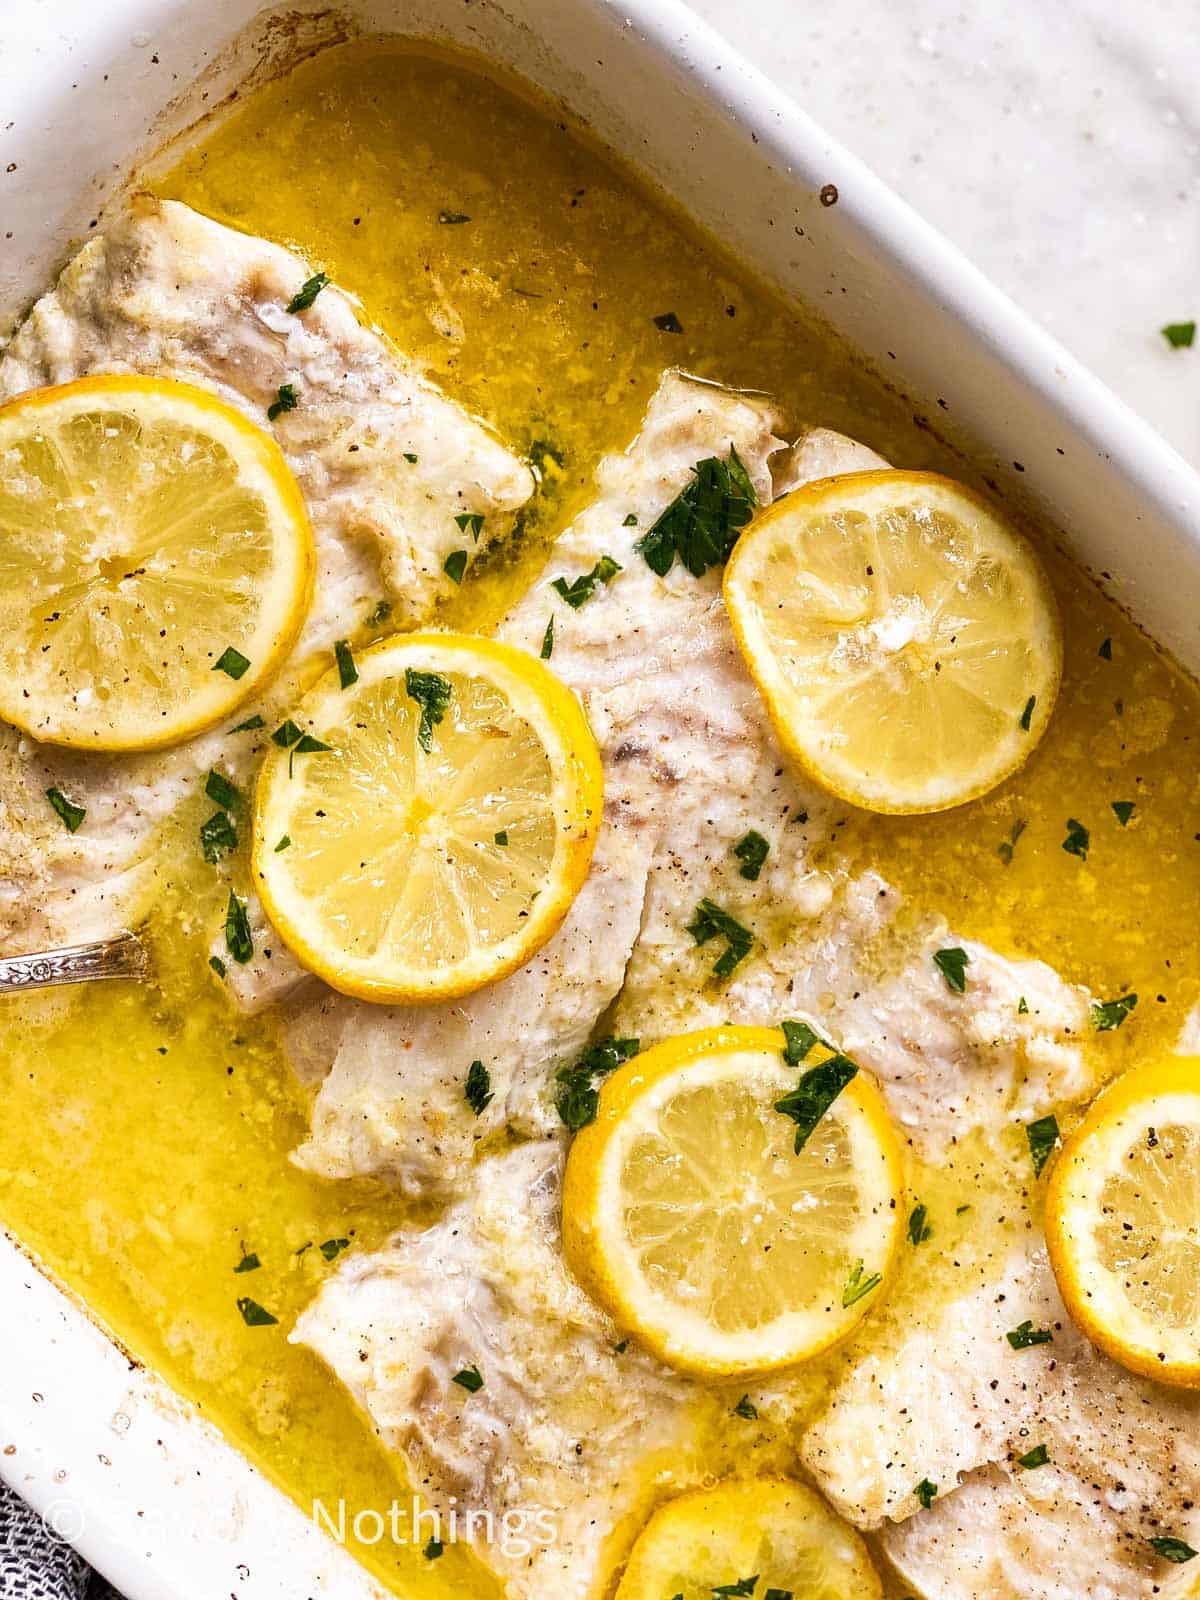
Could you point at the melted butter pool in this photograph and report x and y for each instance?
(143, 1153)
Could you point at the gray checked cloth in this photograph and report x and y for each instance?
(35, 1565)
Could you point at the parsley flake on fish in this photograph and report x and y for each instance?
(285, 840)
(344, 656)
(1042, 1136)
(1123, 810)
(332, 1248)
(1105, 650)
(1172, 1549)
(455, 565)
(746, 1409)
(470, 522)
(952, 964)
(1027, 714)
(1078, 839)
(733, 1591)
(702, 523)
(478, 1088)
(752, 851)
(711, 922)
(433, 1549)
(287, 400)
(1109, 1014)
(1039, 1456)
(233, 663)
(1025, 1336)
(812, 1097)
(68, 813)
(248, 1263)
(470, 1379)
(221, 792)
(918, 1228)
(668, 322)
(1006, 847)
(501, 838)
(581, 589)
(578, 1097)
(307, 293)
(237, 930)
(254, 1315)
(859, 1285)
(548, 641)
(1179, 335)
(218, 966)
(926, 1493)
(250, 724)
(432, 693)
(799, 1039)
(217, 836)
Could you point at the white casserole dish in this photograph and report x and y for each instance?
(147, 1491)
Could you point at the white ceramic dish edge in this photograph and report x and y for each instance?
(151, 1494)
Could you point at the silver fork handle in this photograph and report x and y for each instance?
(123, 956)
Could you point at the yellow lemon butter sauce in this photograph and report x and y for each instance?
(143, 1151)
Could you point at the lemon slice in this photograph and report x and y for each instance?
(688, 1213)
(1123, 1221)
(439, 840)
(905, 639)
(714, 1541)
(155, 562)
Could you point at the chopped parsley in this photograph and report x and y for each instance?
(285, 840)
(347, 671)
(1077, 840)
(779, 1594)
(287, 734)
(1105, 650)
(254, 1315)
(455, 565)
(799, 1040)
(433, 1549)
(66, 810)
(332, 1248)
(470, 1379)
(501, 838)
(249, 1262)
(478, 1088)
(1027, 714)
(1123, 810)
(234, 664)
(548, 641)
(237, 930)
(217, 836)
(307, 293)
(470, 522)
(218, 966)
(668, 322)
(1025, 1336)
(1180, 336)
(410, 457)
(221, 792)
(729, 1591)
(1022, 1007)
(1171, 1549)
(746, 1408)
(918, 1227)
(630, 520)
(382, 611)
(751, 850)
(858, 1285)
(1006, 847)
(1037, 1457)
(578, 1097)
(1109, 1014)
(452, 219)
(287, 400)
(952, 964)
(812, 1097)
(1042, 1136)
(710, 922)
(249, 725)
(582, 588)
(296, 742)
(702, 523)
(432, 693)
(926, 1493)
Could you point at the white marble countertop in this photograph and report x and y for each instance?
(1057, 146)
